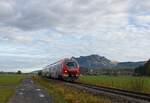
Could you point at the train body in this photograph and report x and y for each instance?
(66, 69)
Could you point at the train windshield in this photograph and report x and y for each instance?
(71, 64)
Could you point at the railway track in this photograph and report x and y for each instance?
(119, 95)
(132, 97)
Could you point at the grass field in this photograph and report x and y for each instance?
(140, 84)
(5, 94)
(65, 94)
(10, 79)
(7, 85)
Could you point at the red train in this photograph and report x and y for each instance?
(66, 69)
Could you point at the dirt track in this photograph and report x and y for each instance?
(29, 92)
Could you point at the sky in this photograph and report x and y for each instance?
(34, 33)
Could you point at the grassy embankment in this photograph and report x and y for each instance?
(65, 94)
(7, 85)
(140, 84)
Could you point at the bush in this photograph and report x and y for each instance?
(19, 72)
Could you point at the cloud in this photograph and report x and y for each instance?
(143, 20)
(5, 9)
(39, 14)
(43, 29)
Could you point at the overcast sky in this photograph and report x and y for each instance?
(34, 33)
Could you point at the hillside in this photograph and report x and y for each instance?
(94, 61)
(101, 62)
(130, 65)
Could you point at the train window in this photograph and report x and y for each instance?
(71, 64)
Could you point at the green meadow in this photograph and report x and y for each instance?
(139, 84)
(8, 82)
(10, 79)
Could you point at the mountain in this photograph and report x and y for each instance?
(94, 61)
(100, 62)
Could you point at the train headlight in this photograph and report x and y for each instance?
(65, 71)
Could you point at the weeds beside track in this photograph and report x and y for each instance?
(112, 94)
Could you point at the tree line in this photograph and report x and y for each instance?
(143, 70)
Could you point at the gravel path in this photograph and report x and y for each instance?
(29, 92)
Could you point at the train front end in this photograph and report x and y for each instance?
(71, 70)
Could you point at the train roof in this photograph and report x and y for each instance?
(64, 59)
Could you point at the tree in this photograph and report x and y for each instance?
(147, 68)
(140, 71)
(19, 72)
(143, 70)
